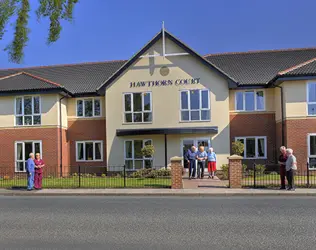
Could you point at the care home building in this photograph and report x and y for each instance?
(167, 95)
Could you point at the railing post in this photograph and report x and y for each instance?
(307, 164)
(79, 177)
(124, 176)
(254, 175)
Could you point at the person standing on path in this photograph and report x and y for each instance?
(190, 157)
(201, 156)
(39, 164)
(30, 167)
(290, 167)
(211, 163)
(282, 161)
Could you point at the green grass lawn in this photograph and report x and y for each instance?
(96, 182)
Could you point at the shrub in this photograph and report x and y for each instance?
(260, 169)
(237, 148)
(273, 173)
(151, 173)
(244, 167)
(148, 151)
(103, 175)
(6, 177)
(74, 174)
(225, 168)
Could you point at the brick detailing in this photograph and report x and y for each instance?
(255, 125)
(235, 172)
(296, 138)
(86, 130)
(176, 173)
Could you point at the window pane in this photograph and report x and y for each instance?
(37, 148)
(185, 115)
(249, 98)
(261, 147)
(128, 149)
(80, 151)
(239, 101)
(194, 99)
(147, 117)
(250, 147)
(147, 97)
(128, 102)
(138, 164)
(27, 105)
(137, 101)
(36, 105)
(138, 145)
(184, 100)
(28, 147)
(260, 100)
(312, 92)
(18, 108)
(148, 164)
(129, 164)
(19, 120)
(97, 108)
(205, 99)
(195, 115)
(128, 117)
(205, 115)
(20, 166)
(37, 120)
(243, 142)
(148, 142)
(27, 120)
(138, 117)
(89, 151)
(88, 108)
(312, 109)
(79, 108)
(97, 153)
(19, 151)
(312, 143)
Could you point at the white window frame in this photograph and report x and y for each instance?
(308, 102)
(200, 105)
(137, 112)
(23, 153)
(93, 107)
(133, 153)
(84, 151)
(308, 150)
(256, 146)
(255, 100)
(23, 115)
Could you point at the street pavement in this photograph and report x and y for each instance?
(261, 222)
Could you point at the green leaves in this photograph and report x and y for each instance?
(55, 10)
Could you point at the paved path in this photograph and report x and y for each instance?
(236, 223)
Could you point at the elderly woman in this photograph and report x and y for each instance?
(290, 167)
(39, 164)
(282, 161)
(201, 156)
(211, 163)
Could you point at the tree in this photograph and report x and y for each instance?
(55, 10)
(237, 148)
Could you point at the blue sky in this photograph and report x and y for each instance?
(111, 30)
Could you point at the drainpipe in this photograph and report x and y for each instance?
(282, 114)
(61, 136)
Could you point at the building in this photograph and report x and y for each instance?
(102, 114)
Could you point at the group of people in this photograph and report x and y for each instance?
(288, 165)
(200, 156)
(34, 170)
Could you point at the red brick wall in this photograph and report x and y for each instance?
(255, 125)
(84, 130)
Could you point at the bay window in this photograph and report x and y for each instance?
(311, 99)
(254, 147)
(195, 105)
(90, 107)
(134, 160)
(137, 107)
(27, 111)
(250, 100)
(89, 151)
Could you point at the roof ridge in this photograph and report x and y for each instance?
(42, 79)
(297, 66)
(9, 76)
(259, 51)
(62, 65)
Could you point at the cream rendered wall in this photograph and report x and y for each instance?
(72, 107)
(64, 104)
(277, 104)
(6, 111)
(166, 103)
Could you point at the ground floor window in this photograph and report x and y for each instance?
(134, 159)
(22, 151)
(254, 147)
(312, 151)
(89, 150)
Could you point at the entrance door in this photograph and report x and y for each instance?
(186, 144)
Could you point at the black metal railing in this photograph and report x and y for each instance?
(92, 177)
(261, 176)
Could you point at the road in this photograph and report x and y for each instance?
(157, 223)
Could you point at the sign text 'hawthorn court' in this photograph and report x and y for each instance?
(159, 83)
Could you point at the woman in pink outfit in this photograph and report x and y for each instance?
(39, 164)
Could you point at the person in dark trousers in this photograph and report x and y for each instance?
(282, 161)
(201, 156)
(290, 167)
(30, 168)
(190, 157)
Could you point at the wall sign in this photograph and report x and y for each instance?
(160, 83)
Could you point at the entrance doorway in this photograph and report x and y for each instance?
(188, 143)
(22, 151)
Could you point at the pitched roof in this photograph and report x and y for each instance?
(25, 81)
(260, 67)
(306, 68)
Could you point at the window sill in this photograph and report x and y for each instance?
(87, 117)
(194, 121)
(136, 123)
(21, 126)
(89, 161)
(248, 111)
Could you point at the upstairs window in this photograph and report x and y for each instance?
(195, 105)
(28, 111)
(90, 107)
(250, 100)
(311, 98)
(137, 107)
